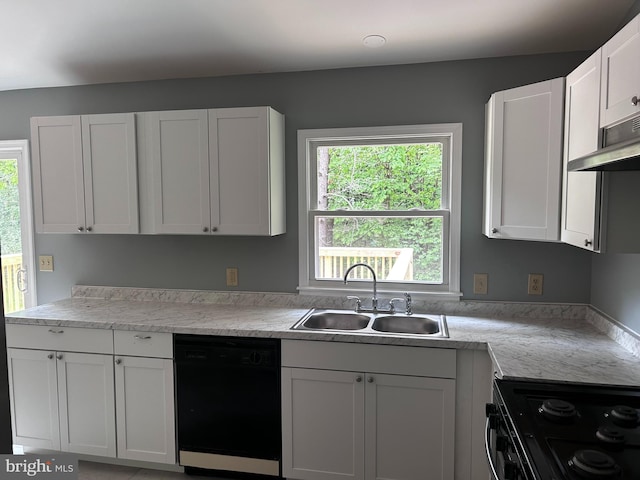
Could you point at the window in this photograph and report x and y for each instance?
(385, 196)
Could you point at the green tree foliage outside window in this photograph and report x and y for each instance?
(9, 208)
(400, 177)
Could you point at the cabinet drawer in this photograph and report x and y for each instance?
(68, 339)
(143, 344)
(392, 359)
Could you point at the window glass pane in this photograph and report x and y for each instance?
(380, 177)
(399, 249)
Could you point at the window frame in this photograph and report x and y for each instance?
(450, 212)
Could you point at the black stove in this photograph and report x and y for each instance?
(555, 431)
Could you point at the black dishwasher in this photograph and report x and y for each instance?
(228, 404)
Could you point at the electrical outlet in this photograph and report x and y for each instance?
(480, 281)
(46, 263)
(232, 277)
(535, 284)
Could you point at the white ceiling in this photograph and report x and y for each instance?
(74, 42)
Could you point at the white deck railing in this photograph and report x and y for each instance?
(11, 294)
(388, 263)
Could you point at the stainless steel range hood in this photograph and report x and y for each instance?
(621, 150)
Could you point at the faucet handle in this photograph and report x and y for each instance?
(391, 303)
(358, 302)
(407, 300)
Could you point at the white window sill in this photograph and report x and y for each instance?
(365, 293)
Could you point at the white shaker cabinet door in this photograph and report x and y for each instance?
(179, 157)
(410, 426)
(620, 75)
(523, 162)
(582, 191)
(323, 424)
(87, 405)
(58, 190)
(110, 173)
(247, 171)
(33, 394)
(145, 409)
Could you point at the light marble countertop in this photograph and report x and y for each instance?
(556, 349)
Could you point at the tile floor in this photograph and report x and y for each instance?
(103, 471)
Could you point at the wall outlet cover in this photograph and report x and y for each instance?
(232, 277)
(535, 284)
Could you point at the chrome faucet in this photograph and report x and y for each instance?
(374, 300)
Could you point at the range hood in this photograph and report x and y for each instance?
(621, 150)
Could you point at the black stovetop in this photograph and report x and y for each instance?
(576, 432)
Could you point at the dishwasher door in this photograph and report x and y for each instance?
(228, 403)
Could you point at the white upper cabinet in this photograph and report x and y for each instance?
(247, 171)
(218, 171)
(85, 174)
(581, 193)
(523, 162)
(620, 96)
(179, 149)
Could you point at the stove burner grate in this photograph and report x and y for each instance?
(610, 435)
(558, 410)
(593, 464)
(624, 416)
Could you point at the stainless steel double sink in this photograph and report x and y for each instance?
(373, 323)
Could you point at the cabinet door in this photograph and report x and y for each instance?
(581, 193)
(87, 410)
(145, 409)
(322, 424)
(179, 150)
(523, 164)
(58, 190)
(239, 139)
(33, 394)
(110, 173)
(620, 75)
(410, 425)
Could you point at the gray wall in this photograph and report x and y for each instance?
(423, 93)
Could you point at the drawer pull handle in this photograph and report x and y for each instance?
(142, 337)
(51, 330)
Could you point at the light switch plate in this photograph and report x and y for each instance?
(46, 263)
(480, 281)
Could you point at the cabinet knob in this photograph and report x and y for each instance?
(370, 379)
(494, 230)
(89, 229)
(588, 242)
(358, 379)
(59, 356)
(214, 229)
(635, 100)
(50, 356)
(118, 361)
(205, 229)
(81, 229)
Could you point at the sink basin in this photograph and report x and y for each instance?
(337, 321)
(369, 323)
(406, 324)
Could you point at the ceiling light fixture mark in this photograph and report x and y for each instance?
(374, 41)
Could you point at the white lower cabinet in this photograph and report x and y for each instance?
(367, 423)
(81, 402)
(145, 409)
(62, 401)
